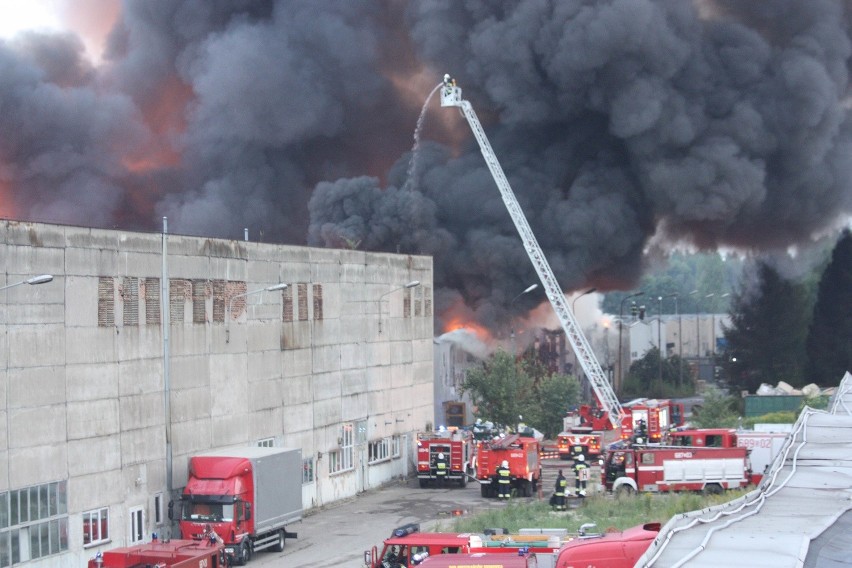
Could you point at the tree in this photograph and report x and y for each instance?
(643, 378)
(829, 342)
(766, 338)
(502, 390)
(716, 411)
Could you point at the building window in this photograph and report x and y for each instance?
(418, 301)
(379, 451)
(266, 443)
(137, 525)
(129, 293)
(95, 527)
(303, 301)
(395, 445)
(33, 523)
(152, 301)
(342, 459)
(427, 301)
(179, 292)
(106, 302)
(218, 301)
(317, 301)
(287, 304)
(406, 303)
(199, 301)
(158, 509)
(308, 470)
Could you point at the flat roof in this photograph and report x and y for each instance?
(789, 518)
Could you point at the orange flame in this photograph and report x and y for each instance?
(458, 322)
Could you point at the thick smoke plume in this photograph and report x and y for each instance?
(619, 123)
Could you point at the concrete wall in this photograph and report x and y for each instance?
(82, 372)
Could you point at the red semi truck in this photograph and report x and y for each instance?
(246, 495)
(523, 456)
(458, 448)
(207, 552)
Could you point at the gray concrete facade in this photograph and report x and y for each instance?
(82, 407)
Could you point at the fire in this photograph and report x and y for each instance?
(458, 322)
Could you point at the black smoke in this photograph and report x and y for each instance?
(621, 125)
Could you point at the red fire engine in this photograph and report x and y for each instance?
(522, 454)
(164, 554)
(675, 468)
(458, 448)
(407, 543)
(579, 440)
(658, 415)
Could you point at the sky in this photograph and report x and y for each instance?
(626, 128)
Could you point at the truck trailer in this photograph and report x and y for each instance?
(247, 495)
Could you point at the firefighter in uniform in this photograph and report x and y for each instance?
(441, 468)
(561, 486)
(504, 481)
(640, 436)
(581, 475)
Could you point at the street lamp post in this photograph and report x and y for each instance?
(412, 284)
(527, 290)
(620, 325)
(273, 288)
(574, 301)
(41, 279)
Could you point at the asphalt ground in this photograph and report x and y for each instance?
(339, 534)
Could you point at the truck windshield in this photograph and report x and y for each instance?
(207, 512)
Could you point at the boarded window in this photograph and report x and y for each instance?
(303, 301)
(106, 302)
(199, 301)
(179, 293)
(152, 301)
(287, 304)
(418, 302)
(406, 303)
(218, 301)
(130, 300)
(427, 301)
(317, 301)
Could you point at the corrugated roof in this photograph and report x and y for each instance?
(796, 517)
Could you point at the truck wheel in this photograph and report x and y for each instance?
(245, 553)
(423, 483)
(713, 489)
(623, 491)
(279, 546)
(463, 480)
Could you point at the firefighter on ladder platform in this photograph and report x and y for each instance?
(504, 481)
(561, 487)
(441, 468)
(581, 474)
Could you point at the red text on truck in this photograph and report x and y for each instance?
(522, 453)
(675, 468)
(247, 495)
(457, 447)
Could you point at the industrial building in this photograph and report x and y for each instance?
(145, 348)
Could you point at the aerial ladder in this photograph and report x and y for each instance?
(451, 96)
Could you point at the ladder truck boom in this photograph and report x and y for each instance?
(451, 96)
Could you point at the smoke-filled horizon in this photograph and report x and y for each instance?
(622, 125)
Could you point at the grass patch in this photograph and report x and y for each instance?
(605, 511)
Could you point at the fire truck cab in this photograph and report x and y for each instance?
(579, 440)
(704, 438)
(675, 468)
(608, 550)
(524, 458)
(658, 415)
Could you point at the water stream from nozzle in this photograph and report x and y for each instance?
(410, 175)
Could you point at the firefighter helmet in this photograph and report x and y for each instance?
(505, 463)
(581, 458)
(440, 456)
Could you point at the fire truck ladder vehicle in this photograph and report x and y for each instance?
(451, 96)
